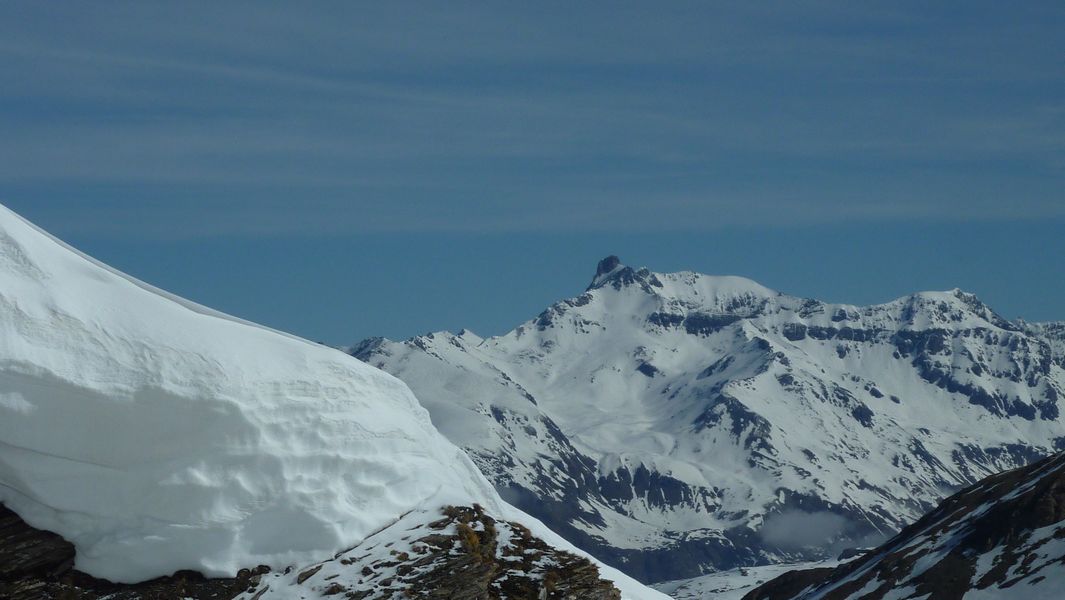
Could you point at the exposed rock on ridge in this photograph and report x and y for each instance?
(465, 554)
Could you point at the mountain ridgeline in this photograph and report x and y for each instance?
(678, 423)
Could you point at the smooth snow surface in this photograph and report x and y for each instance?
(158, 435)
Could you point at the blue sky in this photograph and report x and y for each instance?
(343, 170)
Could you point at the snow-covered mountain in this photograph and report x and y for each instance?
(1002, 538)
(678, 423)
(157, 435)
(1054, 334)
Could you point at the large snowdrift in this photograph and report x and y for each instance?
(156, 434)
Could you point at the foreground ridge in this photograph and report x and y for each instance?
(1001, 538)
(465, 554)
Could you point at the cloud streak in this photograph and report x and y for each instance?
(457, 118)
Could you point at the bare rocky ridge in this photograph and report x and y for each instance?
(1004, 536)
(464, 554)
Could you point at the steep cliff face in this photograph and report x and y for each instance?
(674, 423)
(1001, 538)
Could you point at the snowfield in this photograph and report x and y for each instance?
(158, 435)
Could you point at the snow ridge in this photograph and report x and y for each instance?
(207, 443)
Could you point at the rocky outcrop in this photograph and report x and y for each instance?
(464, 554)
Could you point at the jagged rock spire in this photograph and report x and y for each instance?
(607, 265)
(604, 269)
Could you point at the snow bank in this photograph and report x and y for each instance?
(159, 435)
(156, 434)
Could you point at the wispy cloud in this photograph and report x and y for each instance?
(460, 117)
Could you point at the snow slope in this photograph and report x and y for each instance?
(158, 435)
(678, 423)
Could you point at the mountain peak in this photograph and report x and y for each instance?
(606, 267)
(951, 306)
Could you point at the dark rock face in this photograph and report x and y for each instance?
(1001, 534)
(648, 369)
(787, 585)
(24, 550)
(607, 265)
(366, 348)
(702, 324)
(618, 276)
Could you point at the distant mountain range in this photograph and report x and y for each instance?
(678, 423)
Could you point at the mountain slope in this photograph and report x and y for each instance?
(678, 423)
(1001, 538)
(1053, 333)
(734, 584)
(156, 435)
